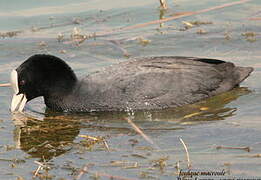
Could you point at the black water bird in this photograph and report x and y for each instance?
(138, 84)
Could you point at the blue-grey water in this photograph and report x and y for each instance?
(60, 141)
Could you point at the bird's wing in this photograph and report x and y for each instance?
(158, 82)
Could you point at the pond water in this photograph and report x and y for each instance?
(74, 146)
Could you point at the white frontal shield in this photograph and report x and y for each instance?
(19, 100)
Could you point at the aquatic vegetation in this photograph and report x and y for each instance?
(10, 34)
(250, 36)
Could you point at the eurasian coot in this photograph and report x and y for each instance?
(138, 84)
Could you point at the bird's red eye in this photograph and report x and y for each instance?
(22, 82)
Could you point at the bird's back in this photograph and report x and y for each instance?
(157, 83)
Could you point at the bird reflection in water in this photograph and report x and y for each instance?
(45, 138)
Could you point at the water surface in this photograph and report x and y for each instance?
(59, 140)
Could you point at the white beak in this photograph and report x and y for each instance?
(19, 100)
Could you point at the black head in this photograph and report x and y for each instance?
(41, 75)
